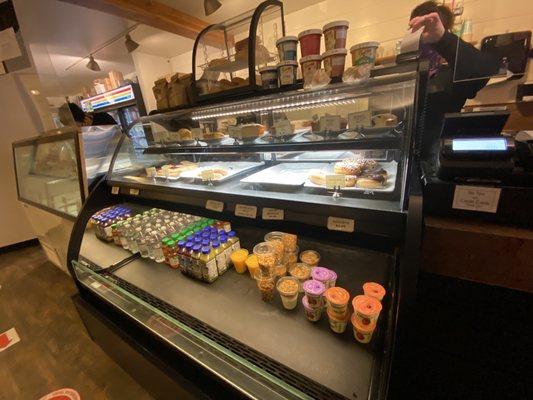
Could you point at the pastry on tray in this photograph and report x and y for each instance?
(360, 173)
(218, 173)
(175, 170)
(252, 130)
(184, 134)
(352, 166)
(213, 135)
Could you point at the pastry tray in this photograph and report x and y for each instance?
(284, 174)
(391, 167)
(234, 168)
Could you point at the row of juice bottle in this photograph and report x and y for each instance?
(204, 254)
(104, 219)
(199, 247)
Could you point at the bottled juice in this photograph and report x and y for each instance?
(225, 249)
(196, 269)
(208, 264)
(220, 257)
(181, 252)
(234, 241)
(187, 258)
(164, 247)
(173, 255)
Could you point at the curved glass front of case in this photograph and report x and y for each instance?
(344, 146)
(222, 52)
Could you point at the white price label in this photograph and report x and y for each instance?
(197, 133)
(234, 131)
(243, 210)
(207, 175)
(335, 181)
(214, 205)
(96, 285)
(115, 190)
(273, 214)
(330, 123)
(475, 198)
(357, 119)
(341, 224)
(134, 192)
(283, 127)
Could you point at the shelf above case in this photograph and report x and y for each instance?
(392, 142)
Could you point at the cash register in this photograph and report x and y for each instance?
(475, 152)
(472, 146)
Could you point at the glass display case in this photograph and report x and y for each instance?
(56, 170)
(227, 56)
(49, 173)
(331, 166)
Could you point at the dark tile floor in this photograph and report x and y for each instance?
(55, 350)
(467, 341)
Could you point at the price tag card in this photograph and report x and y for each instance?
(207, 175)
(331, 123)
(134, 192)
(476, 198)
(197, 133)
(214, 205)
(246, 211)
(341, 224)
(335, 181)
(115, 190)
(234, 131)
(273, 214)
(283, 127)
(96, 285)
(362, 118)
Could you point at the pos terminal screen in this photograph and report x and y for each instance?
(496, 144)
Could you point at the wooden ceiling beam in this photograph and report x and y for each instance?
(149, 12)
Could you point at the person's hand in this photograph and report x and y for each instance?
(433, 28)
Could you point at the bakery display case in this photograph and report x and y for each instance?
(227, 56)
(231, 244)
(49, 173)
(54, 173)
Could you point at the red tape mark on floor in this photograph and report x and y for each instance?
(62, 394)
(8, 339)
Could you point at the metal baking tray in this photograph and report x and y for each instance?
(391, 168)
(234, 168)
(284, 174)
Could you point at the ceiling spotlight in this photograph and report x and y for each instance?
(93, 65)
(130, 44)
(210, 6)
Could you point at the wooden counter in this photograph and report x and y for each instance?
(479, 251)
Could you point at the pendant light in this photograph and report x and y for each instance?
(130, 44)
(93, 65)
(210, 6)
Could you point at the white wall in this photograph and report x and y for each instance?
(150, 68)
(16, 124)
